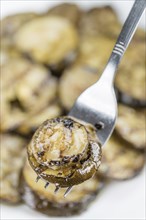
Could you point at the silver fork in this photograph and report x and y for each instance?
(97, 104)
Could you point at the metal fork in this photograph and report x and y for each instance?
(97, 104)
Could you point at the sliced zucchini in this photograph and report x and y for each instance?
(119, 160)
(45, 201)
(11, 24)
(12, 161)
(93, 23)
(68, 11)
(131, 126)
(132, 92)
(64, 151)
(55, 39)
(25, 89)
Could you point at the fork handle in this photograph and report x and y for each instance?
(124, 39)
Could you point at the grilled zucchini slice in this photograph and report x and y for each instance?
(55, 39)
(26, 88)
(12, 160)
(45, 201)
(131, 126)
(119, 160)
(94, 24)
(11, 24)
(132, 92)
(64, 151)
(68, 11)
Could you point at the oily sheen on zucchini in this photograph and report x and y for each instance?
(45, 201)
(64, 151)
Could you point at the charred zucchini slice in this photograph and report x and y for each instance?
(68, 11)
(94, 24)
(11, 24)
(12, 161)
(119, 160)
(64, 151)
(132, 92)
(43, 200)
(26, 88)
(131, 126)
(55, 39)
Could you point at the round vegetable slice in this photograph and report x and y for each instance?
(49, 39)
(68, 11)
(94, 24)
(132, 92)
(64, 151)
(11, 24)
(119, 160)
(12, 160)
(45, 201)
(26, 88)
(131, 126)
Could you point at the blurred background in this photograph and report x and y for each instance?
(48, 57)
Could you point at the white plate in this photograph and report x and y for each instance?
(119, 200)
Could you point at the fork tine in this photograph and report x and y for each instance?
(68, 191)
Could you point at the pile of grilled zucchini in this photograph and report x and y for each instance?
(47, 60)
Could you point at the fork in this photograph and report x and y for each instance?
(97, 104)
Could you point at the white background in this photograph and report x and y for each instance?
(119, 200)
